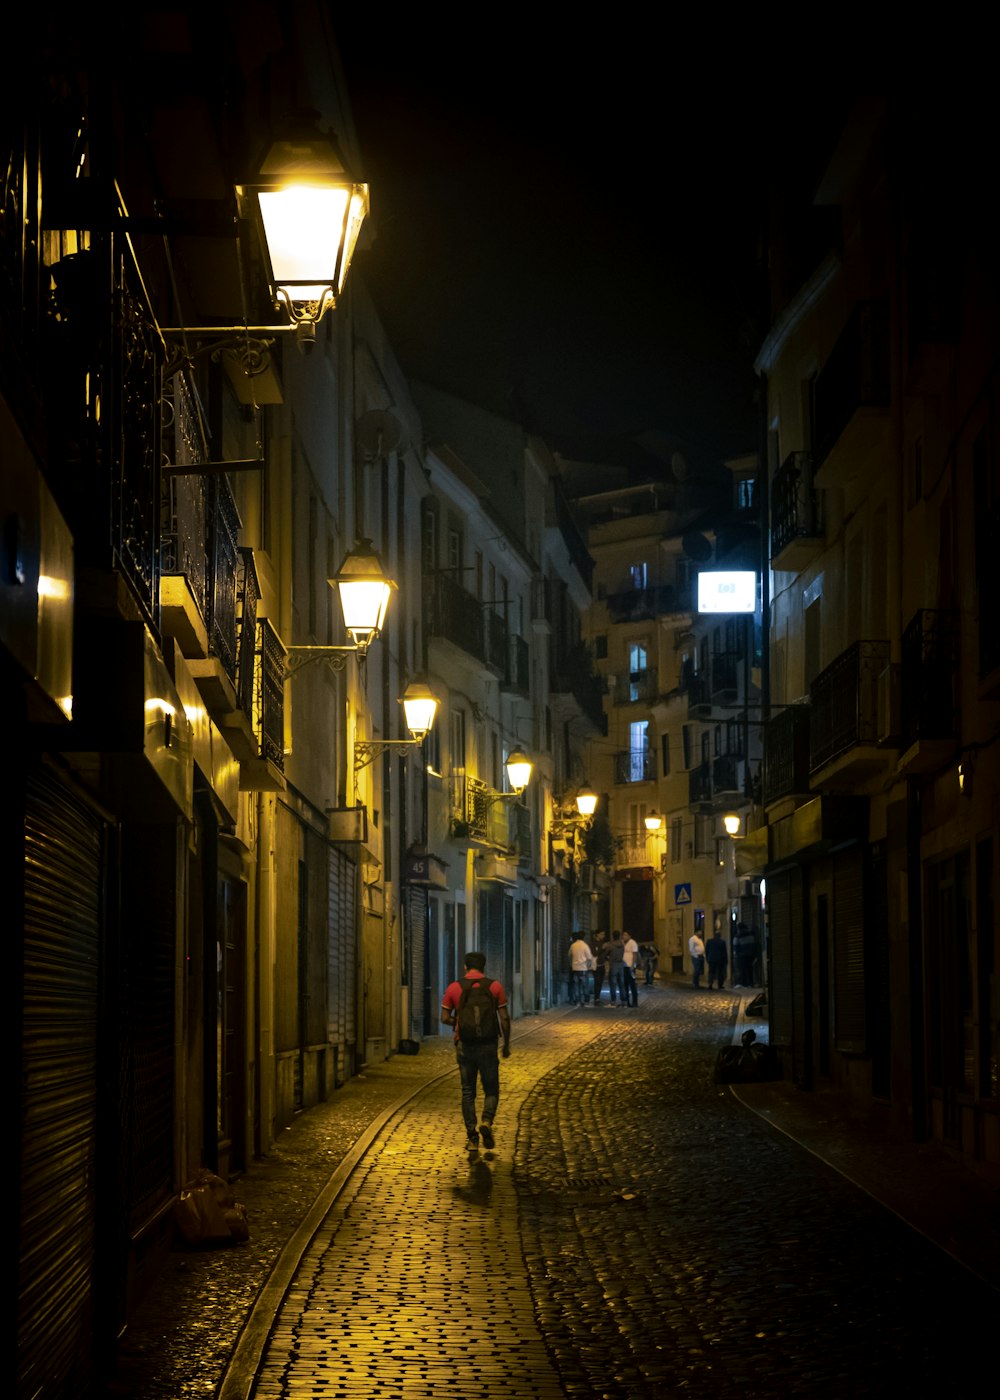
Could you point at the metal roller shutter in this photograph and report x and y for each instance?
(64, 853)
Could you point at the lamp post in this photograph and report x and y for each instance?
(420, 708)
(365, 590)
(308, 209)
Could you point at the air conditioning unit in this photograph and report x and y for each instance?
(887, 707)
(588, 879)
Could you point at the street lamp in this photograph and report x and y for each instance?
(586, 801)
(420, 707)
(308, 210)
(519, 769)
(365, 590)
(653, 822)
(731, 821)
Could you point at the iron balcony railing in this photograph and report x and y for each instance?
(844, 702)
(518, 676)
(855, 376)
(502, 821)
(645, 604)
(929, 670)
(269, 691)
(638, 687)
(455, 614)
(700, 783)
(248, 586)
(572, 673)
(633, 766)
(786, 753)
(727, 775)
(497, 643)
(698, 693)
(794, 503)
(725, 673)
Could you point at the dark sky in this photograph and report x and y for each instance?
(565, 233)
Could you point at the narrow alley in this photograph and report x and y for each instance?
(638, 1231)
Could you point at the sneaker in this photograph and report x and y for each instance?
(486, 1132)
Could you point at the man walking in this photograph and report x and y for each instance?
(600, 963)
(581, 960)
(477, 1009)
(630, 961)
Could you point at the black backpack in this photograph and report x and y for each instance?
(477, 1011)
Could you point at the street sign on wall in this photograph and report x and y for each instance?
(682, 894)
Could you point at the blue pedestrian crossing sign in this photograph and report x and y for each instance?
(682, 894)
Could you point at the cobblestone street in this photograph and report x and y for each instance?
(637, 1232)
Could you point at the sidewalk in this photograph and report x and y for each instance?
(930, 1188)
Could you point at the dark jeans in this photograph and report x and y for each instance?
(717, 973)
(697, 968)
(616, 983)
(577, 987)
(598, 982)
(479, 1062)
(631, 990)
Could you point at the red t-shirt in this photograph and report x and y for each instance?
(449, 1002)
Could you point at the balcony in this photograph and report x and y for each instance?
(486, 820)
(646, 604)
(575, 690)
(928, 700)
(698, 692)
(517, 679)
(727, 779)
(796, 524)
(497, 643)
(637, 688)
(725, 676)
(786, 754)
(455, 616)
(852, 398)
(633, 766)
(700, 785)
(844, 718)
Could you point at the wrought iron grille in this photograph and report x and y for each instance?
(269, 692)
(249, 595)
(794, 502)
(184, 498)
(633, 766)
(844, 702)
(930, 647)
(786, 753)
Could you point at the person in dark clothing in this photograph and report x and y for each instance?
(744, 953)
(600, 947)
(717, 959)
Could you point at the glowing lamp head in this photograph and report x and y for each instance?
(519, 768)
(310, 211)
(364, 593)
(654, 821)
(731, 822)
(586, 801)
(420, 707)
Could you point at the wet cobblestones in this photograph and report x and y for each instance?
(648, 1236)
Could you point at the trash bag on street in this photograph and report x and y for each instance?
(757, 1006)
(748, 1062)
(207, 1212)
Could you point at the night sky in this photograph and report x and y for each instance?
(566, 231)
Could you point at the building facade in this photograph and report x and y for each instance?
(880, 769)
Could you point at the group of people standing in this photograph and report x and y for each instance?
(619, 960)
(713, 956)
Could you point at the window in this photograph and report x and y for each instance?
(676, 834)
(637, 575)
(601, 646)
(746, 490)
(638, 750)
(665, 755)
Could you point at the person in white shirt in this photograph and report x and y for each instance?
(697, 950)
(581, 961)
(630, 961)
